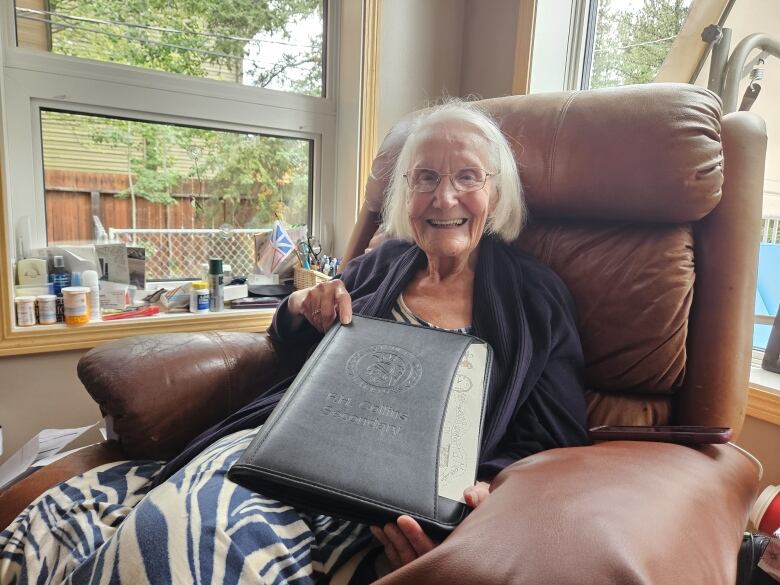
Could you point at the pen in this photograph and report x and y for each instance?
(144, 312)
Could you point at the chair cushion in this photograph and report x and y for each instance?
(621, 409)
(648, 153)
(632, 284)
(622, 512)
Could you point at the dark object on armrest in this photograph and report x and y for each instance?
(164, 390)
(17, 497)
(270, 290)
(256, 303)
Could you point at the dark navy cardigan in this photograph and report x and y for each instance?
(521, 308)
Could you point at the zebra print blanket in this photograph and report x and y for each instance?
(107, 526)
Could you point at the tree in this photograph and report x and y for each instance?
(203, 38)
(631, 45)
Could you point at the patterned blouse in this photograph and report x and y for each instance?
(404, 314)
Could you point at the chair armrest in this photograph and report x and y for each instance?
(19, 495)
(624, 512)
(163, 390)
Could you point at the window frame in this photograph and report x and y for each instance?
(32, 79)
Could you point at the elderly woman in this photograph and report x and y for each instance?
(454, 205)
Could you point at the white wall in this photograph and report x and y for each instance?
(489, 39)
(41, 391)
(435, 48)
(419, 56)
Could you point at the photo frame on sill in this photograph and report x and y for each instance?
(771, 361)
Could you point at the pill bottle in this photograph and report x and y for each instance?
(47, 309)
(199, 297)
(76, 305)
(89, 279)
(25, 311)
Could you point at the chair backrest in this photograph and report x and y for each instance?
(648, 204)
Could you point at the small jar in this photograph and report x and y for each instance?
(199, 297)
(25, 311)
(76, 305)
(47, 309)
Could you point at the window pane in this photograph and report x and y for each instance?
(276, 44)
(181, 193)
(768, 283)
(633, 38)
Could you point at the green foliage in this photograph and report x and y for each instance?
(202, 38)
(244, 179)
(631, 45)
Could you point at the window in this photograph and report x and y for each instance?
(276, 45)
(609, 42)
(628, 40)
(174, 118)
(182, 194)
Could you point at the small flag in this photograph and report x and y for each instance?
(281, 244)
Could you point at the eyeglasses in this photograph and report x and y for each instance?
(464, 180)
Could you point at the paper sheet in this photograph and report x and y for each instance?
(459, 450)
(39, 450)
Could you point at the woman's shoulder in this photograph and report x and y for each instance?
(373, 265)
(381, 256)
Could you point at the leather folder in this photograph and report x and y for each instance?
(384, 419)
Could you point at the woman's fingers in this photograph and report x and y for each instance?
(344, 305)
(326, 302)
(403, 541)
(416, 536)
(476, 494)
(400, 543)
(328, 309)
(390, 552)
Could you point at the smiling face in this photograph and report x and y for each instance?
(447, 223)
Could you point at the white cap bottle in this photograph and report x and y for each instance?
(89, 279)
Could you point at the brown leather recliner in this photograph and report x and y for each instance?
(647, 204)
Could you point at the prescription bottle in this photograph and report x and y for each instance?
(47, 309)
(76, 305)
(25, 311)
(199, 297)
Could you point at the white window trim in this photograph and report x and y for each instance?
(33, 79)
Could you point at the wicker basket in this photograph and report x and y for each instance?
(303, 278)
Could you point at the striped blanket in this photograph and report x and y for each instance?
(107, 526)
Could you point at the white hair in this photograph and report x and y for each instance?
(508, 215)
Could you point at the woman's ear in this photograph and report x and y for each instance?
(493, 202)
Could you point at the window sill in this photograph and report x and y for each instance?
(51, 338)
(764, 395)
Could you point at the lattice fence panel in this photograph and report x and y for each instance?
(180, 255)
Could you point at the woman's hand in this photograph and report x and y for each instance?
(405, 540)
(476, 494)
(321, 305)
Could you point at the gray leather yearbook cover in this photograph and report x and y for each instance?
(384, 419)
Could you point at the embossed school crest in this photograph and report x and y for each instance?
(384, 368)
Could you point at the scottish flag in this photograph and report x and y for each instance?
(281, 244)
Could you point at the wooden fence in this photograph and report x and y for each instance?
(73, 197)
